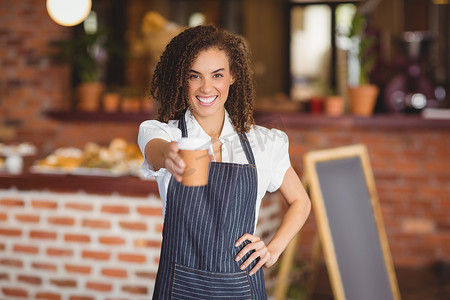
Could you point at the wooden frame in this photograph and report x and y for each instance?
(322, 216)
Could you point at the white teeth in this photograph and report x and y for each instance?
(206, 100)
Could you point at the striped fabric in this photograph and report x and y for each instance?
(195, 284)
(201, 226)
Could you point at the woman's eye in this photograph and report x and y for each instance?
(218, 76)
(193, 76)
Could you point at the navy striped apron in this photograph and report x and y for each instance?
(201, 226)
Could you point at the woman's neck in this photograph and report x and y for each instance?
(212, 125)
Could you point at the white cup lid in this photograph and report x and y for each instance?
(193, 144)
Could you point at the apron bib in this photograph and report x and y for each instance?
(200, 228)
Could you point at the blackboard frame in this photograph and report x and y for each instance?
(329, 156)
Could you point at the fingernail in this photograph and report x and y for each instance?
(251, 273)
(238, 258)
(243, 267)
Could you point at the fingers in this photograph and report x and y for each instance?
(246, 237)
(262, 261)
(173, 162)
(260, 251)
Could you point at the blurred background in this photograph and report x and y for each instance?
(78, 221)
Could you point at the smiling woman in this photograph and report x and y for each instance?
(204, 84)
(171, 81)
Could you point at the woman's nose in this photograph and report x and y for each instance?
(207, 85)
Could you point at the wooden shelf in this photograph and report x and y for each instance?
(377, 121)
(73, 116)
(124, 185)
(329, 2)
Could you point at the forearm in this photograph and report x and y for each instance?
(163, 154)
(291, 224)
(154, 153)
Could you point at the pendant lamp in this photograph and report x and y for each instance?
(68, 12)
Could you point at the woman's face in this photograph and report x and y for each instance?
(209, 83)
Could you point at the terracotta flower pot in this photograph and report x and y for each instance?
(111, 102)
(88, 96)
(334, 105)
(131, 105)
(362, 99)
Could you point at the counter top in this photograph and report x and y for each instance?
(123, 185)
(377, 121)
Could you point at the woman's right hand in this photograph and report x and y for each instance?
(172, 160)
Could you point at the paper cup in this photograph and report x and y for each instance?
(195, 153)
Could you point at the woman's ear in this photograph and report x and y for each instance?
(232, 80)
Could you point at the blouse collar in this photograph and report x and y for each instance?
(194, 128)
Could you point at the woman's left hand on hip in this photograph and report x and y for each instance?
(260, 250)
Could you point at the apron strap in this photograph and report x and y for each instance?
(182, 126)
(247, 149)
(242, 137)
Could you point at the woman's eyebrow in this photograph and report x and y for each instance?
(219, 70)
(216, 71)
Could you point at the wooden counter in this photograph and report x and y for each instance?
(124, 185)
(378, 121)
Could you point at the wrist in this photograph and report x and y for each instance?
(274, 251)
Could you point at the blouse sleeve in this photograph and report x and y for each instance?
(279, 158)
(153, 129)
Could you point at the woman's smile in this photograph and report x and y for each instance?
(206, 100)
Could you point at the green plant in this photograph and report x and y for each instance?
(363, 44)
(86, 53)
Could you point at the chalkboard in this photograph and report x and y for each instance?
(350, 225)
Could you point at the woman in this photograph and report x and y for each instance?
(203, 83)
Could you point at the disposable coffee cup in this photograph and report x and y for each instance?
(195, 153)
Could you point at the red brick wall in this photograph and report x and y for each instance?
(85, 246)
(412, 176)
(67, 246)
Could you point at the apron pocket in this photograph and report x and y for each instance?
(197, 284)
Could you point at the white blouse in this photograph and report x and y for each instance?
(270, 149)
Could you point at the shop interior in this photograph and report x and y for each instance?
(79, 221)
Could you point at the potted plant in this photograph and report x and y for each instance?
(111, 100)
(334, 103)
(131, 100)
(87, 54)
(362, 94)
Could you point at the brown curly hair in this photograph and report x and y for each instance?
(170, 80)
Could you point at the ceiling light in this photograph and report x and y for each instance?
(68, 12)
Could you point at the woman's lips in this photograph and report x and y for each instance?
(206, 101)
